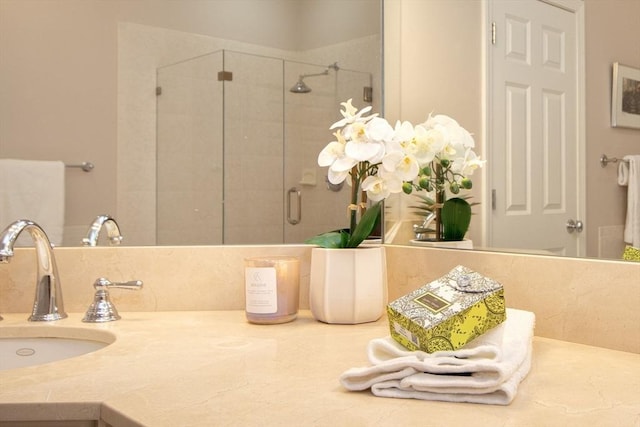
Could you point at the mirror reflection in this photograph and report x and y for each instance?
(86, 89)
(461, 86)
(188, 110)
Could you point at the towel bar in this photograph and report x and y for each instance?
(85, 166)
(604, 160)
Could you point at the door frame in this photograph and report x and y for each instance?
(577, 8)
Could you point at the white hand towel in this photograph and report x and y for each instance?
(34, 190)
(487, 370)
(631, 174)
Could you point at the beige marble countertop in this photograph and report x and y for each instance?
(213, 368)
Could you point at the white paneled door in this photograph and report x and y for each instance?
(533, 132)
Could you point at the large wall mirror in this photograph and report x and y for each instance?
(178, 102)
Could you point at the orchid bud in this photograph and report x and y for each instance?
(407, 187)
(466, 183)
(454, 188)
(424, 183)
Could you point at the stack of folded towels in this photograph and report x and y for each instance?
(486, 370)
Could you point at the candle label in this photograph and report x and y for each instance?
(261, 290)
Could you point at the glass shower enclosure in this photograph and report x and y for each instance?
(237, 149)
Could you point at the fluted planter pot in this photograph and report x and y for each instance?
(348, 286)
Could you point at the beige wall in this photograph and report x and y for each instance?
(612, 35)
(433, 57)
(434, 62)
(58, 86)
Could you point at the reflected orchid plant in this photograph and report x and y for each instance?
(380, 160)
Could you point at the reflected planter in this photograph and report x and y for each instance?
(348, 286)
(449, 244)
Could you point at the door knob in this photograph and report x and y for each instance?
(574, 226)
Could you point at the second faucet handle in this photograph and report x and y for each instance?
(102, 283)
(102, 309)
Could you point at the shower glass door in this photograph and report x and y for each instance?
(189, 150)
(308, 117)
(237, 150)
(253, 149)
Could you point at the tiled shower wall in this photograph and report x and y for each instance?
(142, 50)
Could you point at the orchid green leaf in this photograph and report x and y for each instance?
(365, 226)
(332, 239)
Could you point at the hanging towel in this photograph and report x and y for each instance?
(629, 175)
(486, 370)
(34, 190)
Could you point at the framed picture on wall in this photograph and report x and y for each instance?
(625, 97)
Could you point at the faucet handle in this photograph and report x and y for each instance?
(102, 283)
(102, 309)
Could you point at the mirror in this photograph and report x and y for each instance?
(63, 95)
(84, 80)
(456, 87)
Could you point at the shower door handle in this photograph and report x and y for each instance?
(298, 194)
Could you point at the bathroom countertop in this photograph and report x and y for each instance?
(214, 368)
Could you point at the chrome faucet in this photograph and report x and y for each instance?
(48, 303)
(113, 231)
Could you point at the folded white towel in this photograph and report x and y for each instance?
(34, 190)
(486, 370)
(629, 175)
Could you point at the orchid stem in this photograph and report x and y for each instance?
(353, 213)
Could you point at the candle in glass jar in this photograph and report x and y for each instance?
(272, 287)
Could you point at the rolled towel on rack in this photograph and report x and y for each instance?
(623, 173)
(487, 370)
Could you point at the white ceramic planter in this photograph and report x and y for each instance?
(348, 286)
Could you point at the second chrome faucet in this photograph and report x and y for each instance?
(113, 231)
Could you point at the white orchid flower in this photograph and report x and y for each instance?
(378, 129)
(403, 131)
(329, 154)
(380, 186)
(337, 177)
(334, 156)
(427, 143)
(352, 115)
(458, 138)
(468, 164)
(403, 165)
(365, 142)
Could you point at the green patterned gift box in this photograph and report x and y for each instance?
(448, 312)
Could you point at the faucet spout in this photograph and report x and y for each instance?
(113, 231)
(48, 303)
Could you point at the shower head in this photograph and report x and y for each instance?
(300, 86)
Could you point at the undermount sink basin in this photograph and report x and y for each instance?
(28, 346)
